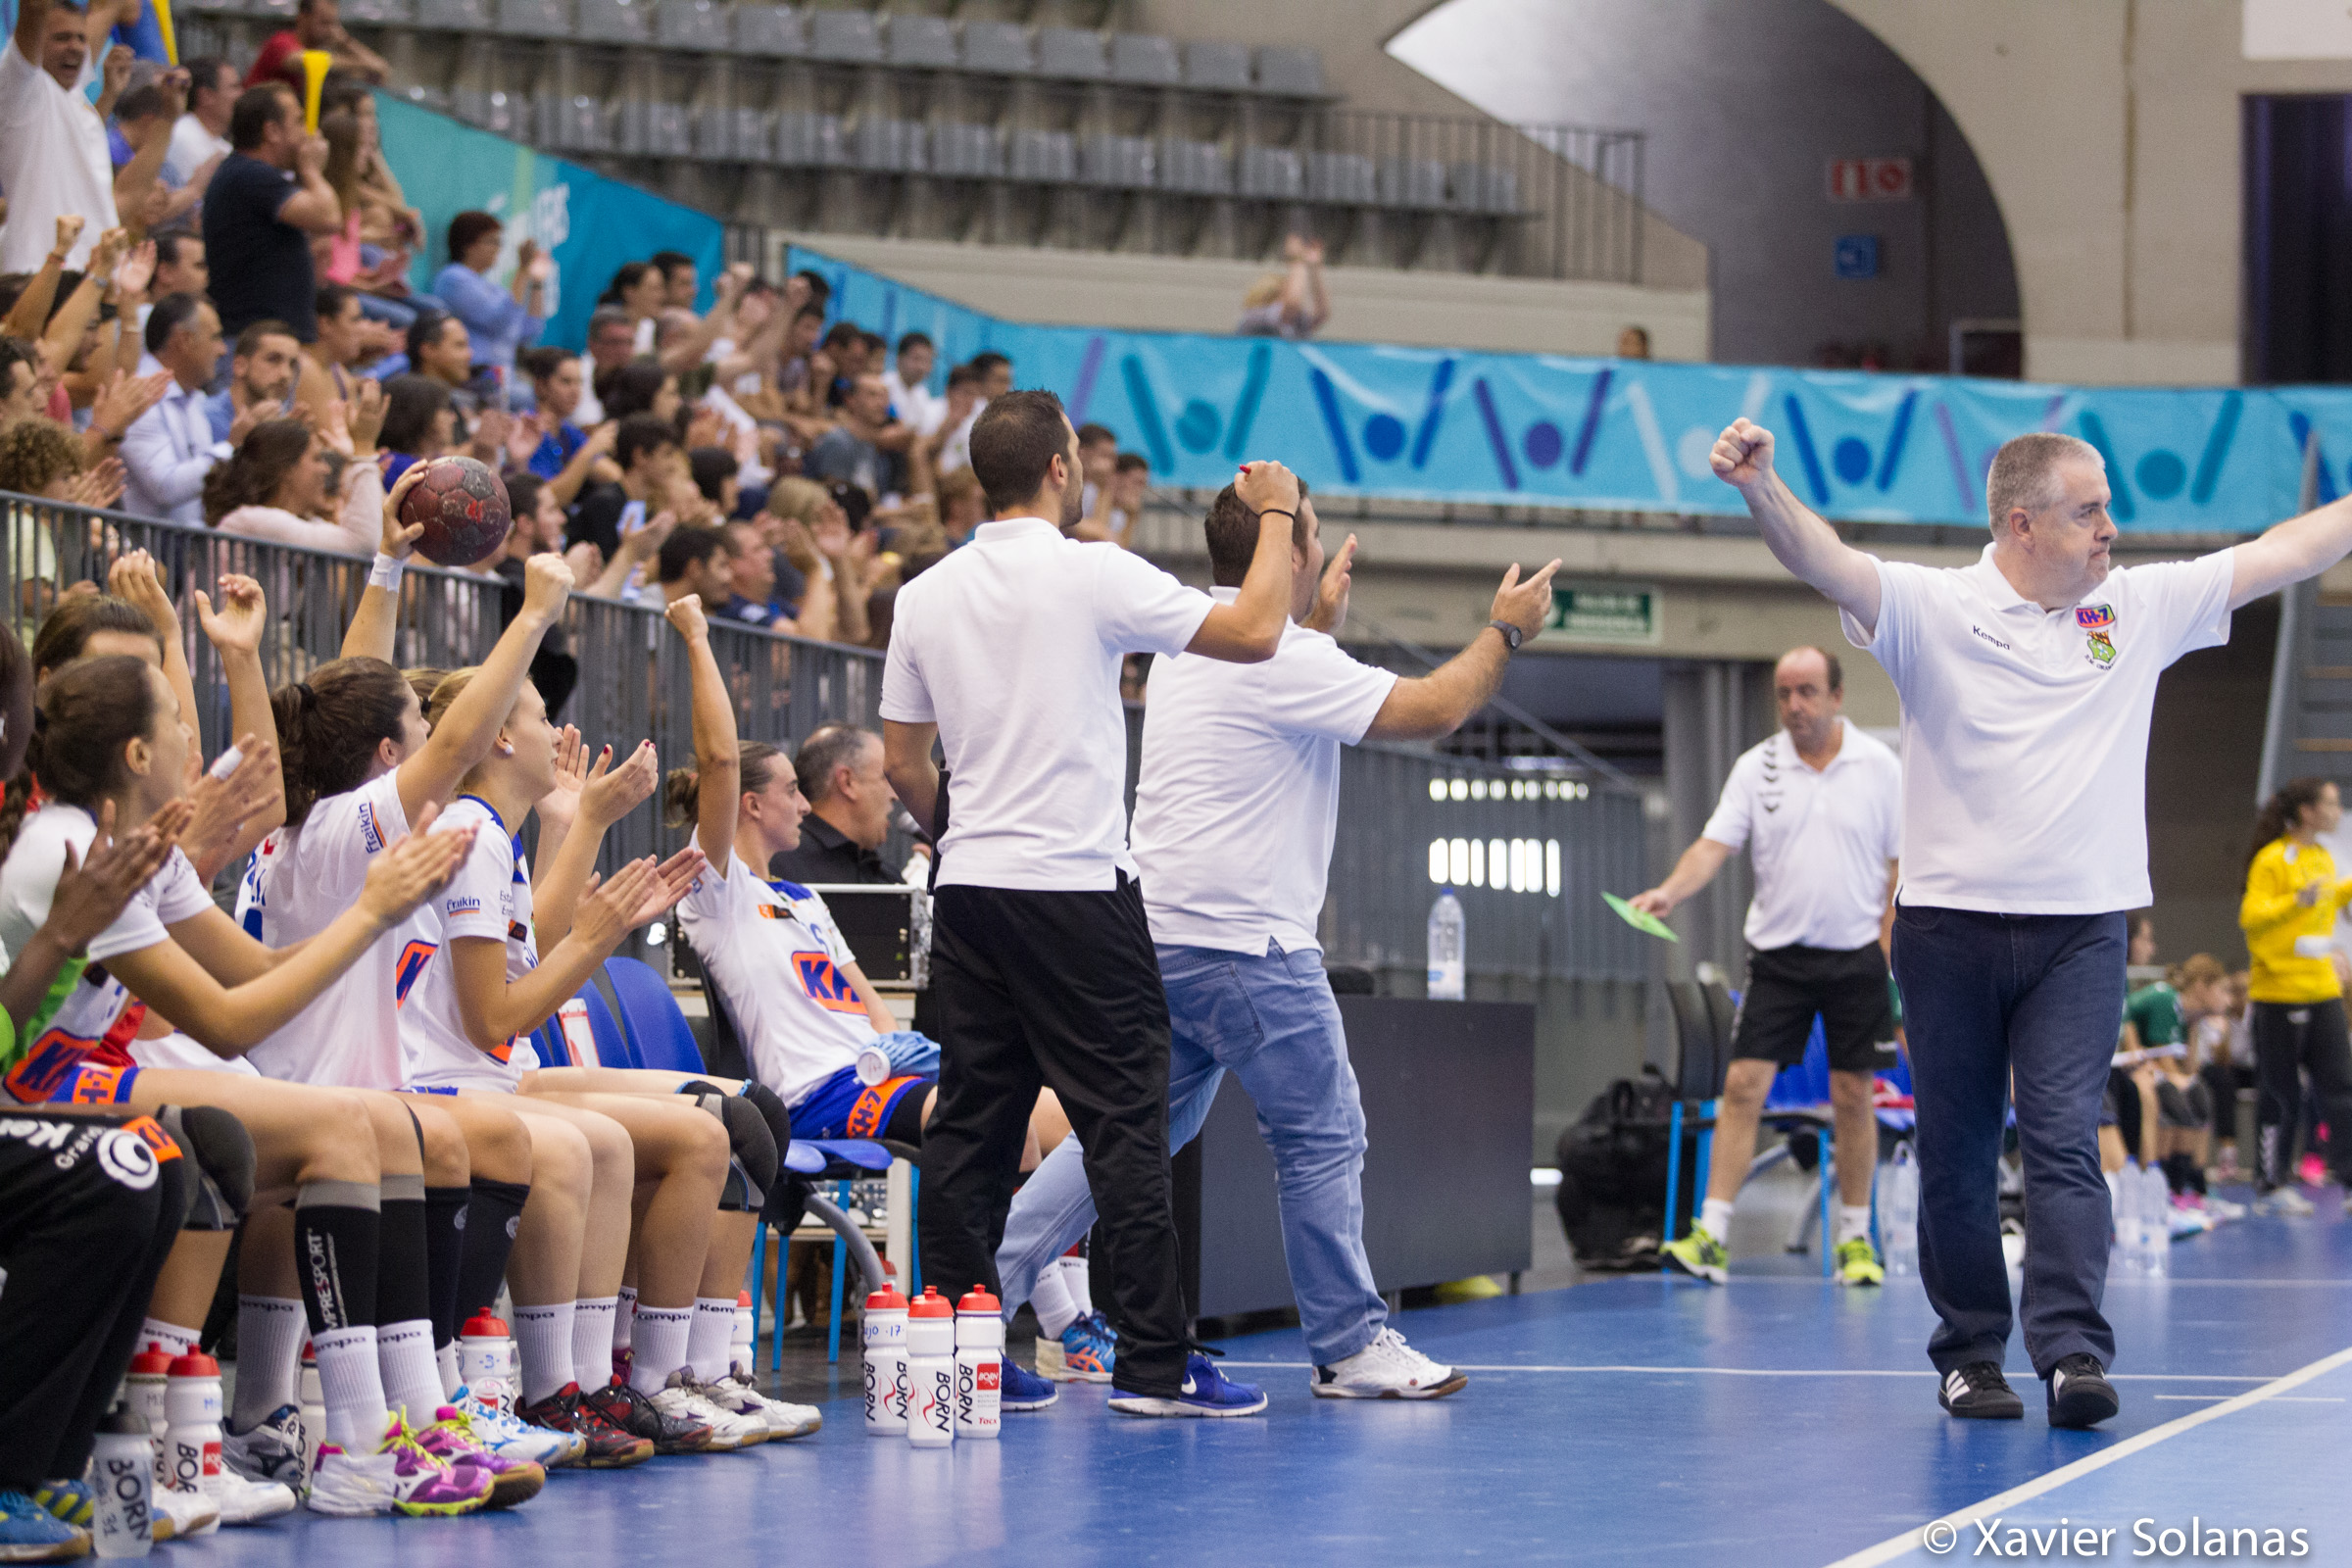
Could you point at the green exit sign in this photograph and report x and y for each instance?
(1603, 613)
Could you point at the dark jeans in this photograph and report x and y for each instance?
(1059, 991)
(1992, 999)
(2292, 1037)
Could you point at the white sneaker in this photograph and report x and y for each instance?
(180, 1514)
(684, 1400)
(735, 1394)
(2283, 1201)
(512, 1437)
(1387, 1369)
(2220, 1209)
(245, 1502)
(400, 1476)
(276, 1450)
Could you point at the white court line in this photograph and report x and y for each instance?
(2283, 1399)
(1773, 1372)
(1908, 1542)
(1817, 1280)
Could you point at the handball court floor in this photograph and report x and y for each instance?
(1778, 1420)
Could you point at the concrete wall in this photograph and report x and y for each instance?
(1744, 103)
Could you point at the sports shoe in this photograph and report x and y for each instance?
(607, 1447)
(70, 1500)
(512, 1437)
(2080, 1394)
(400, 1476)
(179, 1515)
(276, 1450)
(2221, 1211)
(1086, 1353)
(30, 1533)
(1205, 1391)
(1698, 1254)
(450, 1439)
(2284, 1203)
(249, 1502)
(1024, 1390)
(1978, 1392)
(684, 1396)
(735, 1394)
(1858, 1263)
(1387, 1369)
(2312, 1171)
(634, 1413)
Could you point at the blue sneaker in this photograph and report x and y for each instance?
(1205, 1391)
(30, 1533)
(1086, 1353)
(1024, 1390)
(71, 1500)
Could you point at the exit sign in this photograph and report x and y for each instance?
(1869, 179)
(1603, 613)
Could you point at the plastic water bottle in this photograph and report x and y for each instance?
(122, 1474)
(885, 1334)
(2156, 1221)
(192, 1404)
(979, 1365)
(873, 1065)
(1898, 1225)
(741, 1357)
(482, 1361)
(930, 1370)
(1445, 966)
(312, 1399)
(2124, 1259)
(144, 1388)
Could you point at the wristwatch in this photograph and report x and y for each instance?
(1512, 636)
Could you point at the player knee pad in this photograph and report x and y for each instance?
(772, 1110)
(221, 1149)
(750, 1153)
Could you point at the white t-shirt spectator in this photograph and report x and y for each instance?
(2026, 730)
(776, 958)
(1013, 647)
(193, 146)
(956, 452)
(918, 407)
(167, 453)
(489, 897)
(53, 161)
(1820, 841)
(1239, 799)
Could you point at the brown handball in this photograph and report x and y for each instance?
(463, 508)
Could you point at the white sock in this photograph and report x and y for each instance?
(1853, 1221)
(592, 1341)
(170, 1338)
(625, 1315)
(270, 1334)
(1050, 1300)
(352, 1385)
(661, 1334)
(1716, 1215)
(412, 1377)
(1078, 1280)
(710, 1340)
(445, 1359)
(543, 1341)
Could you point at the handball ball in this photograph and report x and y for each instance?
(464, 509)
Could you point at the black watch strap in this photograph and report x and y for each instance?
(1512, 636)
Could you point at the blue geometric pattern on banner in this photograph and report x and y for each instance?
(1384, 420)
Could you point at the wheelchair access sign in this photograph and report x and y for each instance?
(1597, 612)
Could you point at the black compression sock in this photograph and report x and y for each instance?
(444, 1247)
(404, 1293)
(337, 1237)
(491, 1220)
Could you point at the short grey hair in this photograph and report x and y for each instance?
(2023, 476)
(828, 748)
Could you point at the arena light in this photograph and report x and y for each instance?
(1459, 789)
(1437, 861)
(1478, 863)
(1457, 855)
(1551, 867)
(1497, 856)
(1437, 789)
(1518, 865)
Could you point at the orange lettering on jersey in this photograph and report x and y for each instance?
(95, 1084)
(866, 1113)
(413, 959)
(152, 1134)
(48, 1061)
(825, 984)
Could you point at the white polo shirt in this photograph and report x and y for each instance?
(1819, 839)
(1238, 800)
(1013, 646)
(2026, 730)
(53, 161)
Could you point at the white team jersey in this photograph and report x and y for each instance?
(97, 1018)
(776, 958)
(489, 897)
(298, 882)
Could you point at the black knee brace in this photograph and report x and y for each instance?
(221, 1151)
(770, 1106)
(750, 1153)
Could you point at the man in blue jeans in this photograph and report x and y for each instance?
(2026, 682)
(1233, 820)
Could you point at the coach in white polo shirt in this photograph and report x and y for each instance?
(1007, 654)
(2026, 681)
(1818, 806)
(1235, 814)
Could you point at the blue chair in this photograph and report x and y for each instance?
(658, 1035)
(556, 1049)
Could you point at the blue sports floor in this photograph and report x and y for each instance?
(1778, 1420)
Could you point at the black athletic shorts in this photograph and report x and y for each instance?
(2183, 1104)
(1788, 986)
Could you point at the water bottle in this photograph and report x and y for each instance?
(192, 1406)
(2156, 1216)
(740, 1353)
(144, 1388)
(979, 1365)
(2122, 1196)
(1445, 967)
(873, 1065)
(930, 1370)
(312, 1399)
(1898, 1225)
(122, 1474)
(885, 1334)
(482, 1361)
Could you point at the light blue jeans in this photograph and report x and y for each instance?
(1271, 1021)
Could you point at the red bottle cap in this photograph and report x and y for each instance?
(978, 1301)
(195, 1364)
(886, 1299)
(743, 1297)
(482, 1326)
(930, 1304)
(152, 1363)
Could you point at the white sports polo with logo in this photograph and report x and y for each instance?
(1819, 839)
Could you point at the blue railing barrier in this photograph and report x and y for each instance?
(1627, 435)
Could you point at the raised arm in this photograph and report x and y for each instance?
(236, 631)
(2296, 549)
(1441, 702)
(1695, 870)
(718, 764)
(25, 319)
(1795, 534)
(465, 733)
(1248, 630)
(604, 796)
(373, 625)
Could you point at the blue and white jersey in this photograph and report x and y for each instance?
(489, 898)
(779, 962)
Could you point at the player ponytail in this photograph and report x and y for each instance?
(2282, 811)
(88, 713)
(682, 790)
(331, 727)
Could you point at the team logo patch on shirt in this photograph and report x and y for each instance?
(825, 984)
(2101, 648)
(413, 959)
(2092, 617)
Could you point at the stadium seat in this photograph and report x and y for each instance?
(611, 21)
(1417, 183)
(1193, 168)
(807, 138)
(771, 30)
(1342, 177)
(1122, 163)
(729, 133)
(1273, 173)
(1141, 60)
(1482, 188)
(893, 146)
(970, 152)
(1216, 66)
(657, 1034)
(846, 37)
(1289, 73)
(922, 43)
(997, 48)
(374, 13)
(690, 24)
(1045, 157)
(454, 15)
(1073, 54)
(534, 19)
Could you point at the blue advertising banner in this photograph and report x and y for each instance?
(588, 224)
(1364, 418)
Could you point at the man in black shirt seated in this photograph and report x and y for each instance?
(840, 770)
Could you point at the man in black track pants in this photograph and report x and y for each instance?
(1007, 654)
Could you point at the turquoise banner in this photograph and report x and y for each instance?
(1363, 418)
(588, 224)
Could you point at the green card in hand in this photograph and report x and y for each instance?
(1639, 920)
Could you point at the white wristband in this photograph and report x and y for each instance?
(385, 573)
